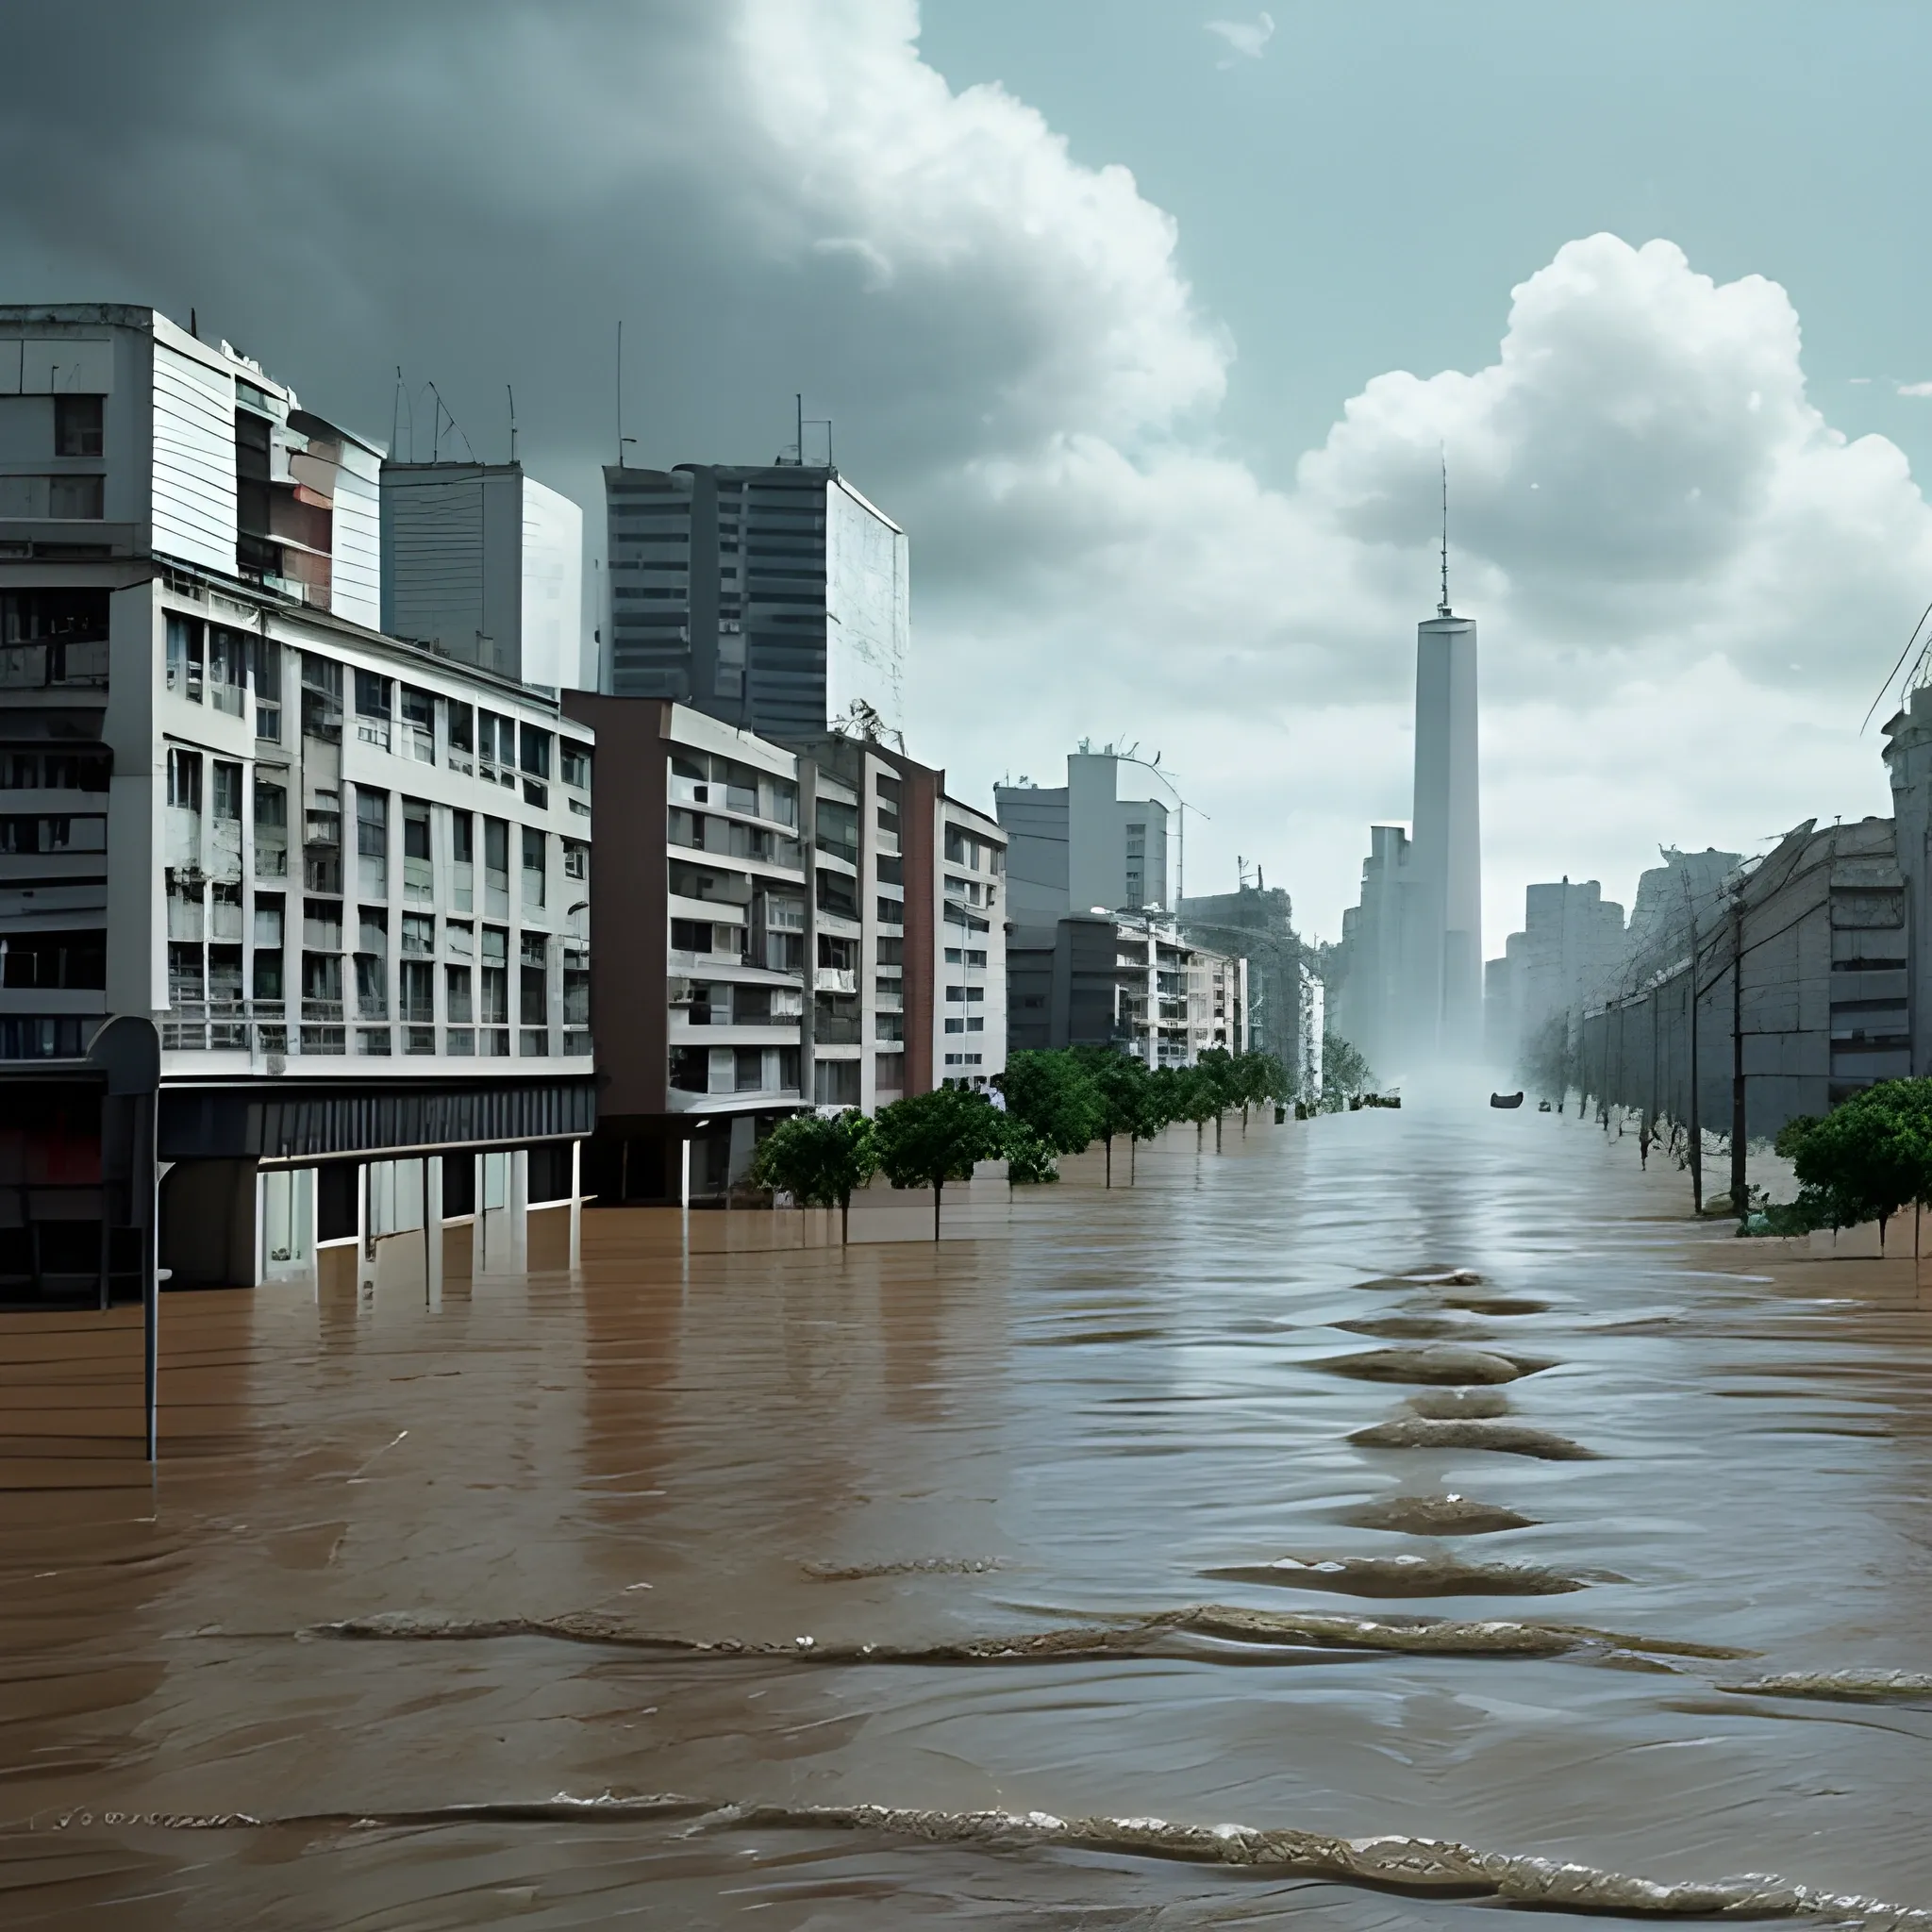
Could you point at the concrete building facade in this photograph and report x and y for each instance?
(1257, 924)
(821, 925)
(320, 896)
(1082, 846)
(484, 565)
(773, 598)
(1127, 980)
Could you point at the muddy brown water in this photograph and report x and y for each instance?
(907, 1586)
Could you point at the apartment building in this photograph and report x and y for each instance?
(331, 889)
(820, 927)
(1130, 980)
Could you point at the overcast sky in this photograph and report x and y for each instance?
(1149, 322)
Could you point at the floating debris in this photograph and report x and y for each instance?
(1495, 1303)
(912, 1566)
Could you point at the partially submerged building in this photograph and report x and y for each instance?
(1810, 967)
(819, 925)
(284, 901)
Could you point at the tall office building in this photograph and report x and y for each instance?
(1408, 976)
(772, 597)
(1444, 932)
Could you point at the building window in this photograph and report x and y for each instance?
(576, 860)
(574, 760)
(76, 426)
(322, 698)
(419, 724)
(373, 709)
(76, 499)
(371, 842)
(456, 980)
(185, 658)
(496, 867)
(227, 802)
(265, 669)
(419, 934)
(460, 721)
(184, 780)
(534, 859)
(227, 670)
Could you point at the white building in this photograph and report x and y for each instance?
(1082, 844)
(483, 564)
(343, 883)
(1408, 977)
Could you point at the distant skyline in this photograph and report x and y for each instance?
(1113, 307)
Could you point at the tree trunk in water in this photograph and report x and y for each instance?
(1217, 1133)
(1133, 1160)
(1109, 1160)
(844, 1221)
(938, 1187)
(1200, 1129)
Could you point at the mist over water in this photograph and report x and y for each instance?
(1215, 1500)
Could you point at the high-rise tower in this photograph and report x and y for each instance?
(1442, 918)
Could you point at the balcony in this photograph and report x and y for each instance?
(837, 1030)
(835, 979)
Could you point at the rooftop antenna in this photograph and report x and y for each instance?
(512, 395)
(620, 393)
(1442, 608)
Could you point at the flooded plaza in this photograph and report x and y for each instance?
(1422, 1477)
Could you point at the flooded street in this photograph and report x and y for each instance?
(1216, 1499)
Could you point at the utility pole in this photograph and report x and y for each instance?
(1696, 1122)
(1741, 1204)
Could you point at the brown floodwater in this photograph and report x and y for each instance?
(979, 1583)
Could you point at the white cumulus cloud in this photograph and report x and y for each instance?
(1689, 582)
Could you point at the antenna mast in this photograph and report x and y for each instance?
(1442, 608)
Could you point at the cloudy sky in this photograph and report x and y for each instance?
(1149, 321)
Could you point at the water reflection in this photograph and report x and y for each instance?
(1120, 1407)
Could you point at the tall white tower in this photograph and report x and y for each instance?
(1444, 913)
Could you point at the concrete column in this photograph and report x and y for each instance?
(432, 1229)
(479, 1227)
(365, 1238)
(517, 1204)
(576, 1205)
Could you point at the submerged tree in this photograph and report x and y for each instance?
(1128, 1101)
(1865, 1161)
(1052, 1094)
(927, 1139)
(1345, 1074)
(820, 1160)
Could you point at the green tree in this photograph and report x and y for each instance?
(1029, 1160)
(1865, 1161)
(1126, 1094)
(927, 1139)
(1050, 1092)
(1346, 1074)
(1198, 1099)
(1224, 1077)
(820, 1160)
